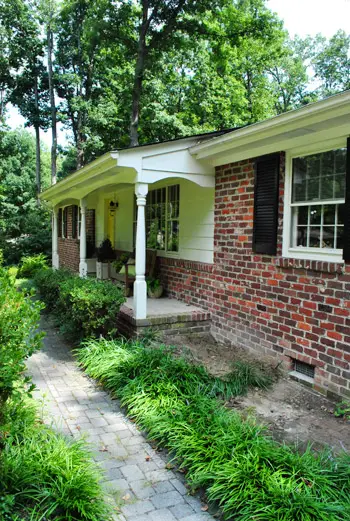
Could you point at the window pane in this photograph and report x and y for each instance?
(340, 161)
(173, 201)
(329, 214)
(327, 163)
(328, 237)
(339, 186)
(301, 238)
(303, 214)
(341, 212)
(314, 237)
(315, 214)
(313, 165)
(313, 192)
(327, 187)
(299, 179)
(173, 236)
(340, 237)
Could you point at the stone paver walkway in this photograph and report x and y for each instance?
(135, 475)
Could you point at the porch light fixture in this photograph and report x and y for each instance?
(113, 205)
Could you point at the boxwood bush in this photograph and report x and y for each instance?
(83, 305)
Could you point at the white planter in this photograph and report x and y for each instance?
(101, 270)
(91, 265)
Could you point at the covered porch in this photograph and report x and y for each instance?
(116, 188)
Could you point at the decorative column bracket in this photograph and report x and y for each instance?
(140, 286)
(83, 263)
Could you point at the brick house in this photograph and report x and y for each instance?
(252, 231)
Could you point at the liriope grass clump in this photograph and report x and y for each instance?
(242, 469)
(43, 475)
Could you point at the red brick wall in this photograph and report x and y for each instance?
(69, 248)
(285, 308)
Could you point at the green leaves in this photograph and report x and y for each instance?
(19, 317)
(87, 307)
(242, 469)
(45, 475)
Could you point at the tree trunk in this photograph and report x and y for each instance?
(136, 92)
(139, 71)
(80, 143)
(37, 139)
(52, 106)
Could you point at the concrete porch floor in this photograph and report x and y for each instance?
(164, 306)
(168, 316)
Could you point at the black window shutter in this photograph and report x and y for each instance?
(74, 221)
(65, 222)
(346, 249)
(59, 224)
(266, 204)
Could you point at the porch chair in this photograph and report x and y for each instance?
(127, 273)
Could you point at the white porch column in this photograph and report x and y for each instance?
(55, 257)
(140, 286)
(82, 263)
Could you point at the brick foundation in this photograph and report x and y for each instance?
(284, 308)
(191, 323)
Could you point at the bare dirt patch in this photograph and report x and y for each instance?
(292, 412)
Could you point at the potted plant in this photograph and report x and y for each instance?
(120, 262)
(105, 254)
(154, 288)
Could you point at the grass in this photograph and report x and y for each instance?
(241, 468)
(43, 475)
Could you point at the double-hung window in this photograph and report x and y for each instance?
(315, 200)
(162, 219)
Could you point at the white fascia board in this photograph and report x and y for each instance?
(101, 164)
(279, 143)
(305, 117)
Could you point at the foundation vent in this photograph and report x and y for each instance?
(304, 369)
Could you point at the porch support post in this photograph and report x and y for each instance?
(140, 286)
(83, 264)
(55, 257)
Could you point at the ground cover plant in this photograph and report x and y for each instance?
(85, 306)
(43, 476)
(242, 469)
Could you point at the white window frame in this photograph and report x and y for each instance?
(304, 253)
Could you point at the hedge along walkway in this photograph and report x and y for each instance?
(135, 475)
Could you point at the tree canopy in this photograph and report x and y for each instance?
(135, 71)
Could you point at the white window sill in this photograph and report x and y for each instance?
(168, 254)
(311, 254)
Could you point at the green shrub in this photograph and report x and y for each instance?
(82, 305)
(48, 283)
(242, 469)
(45, 475)
(19, 317)
(30, 265)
